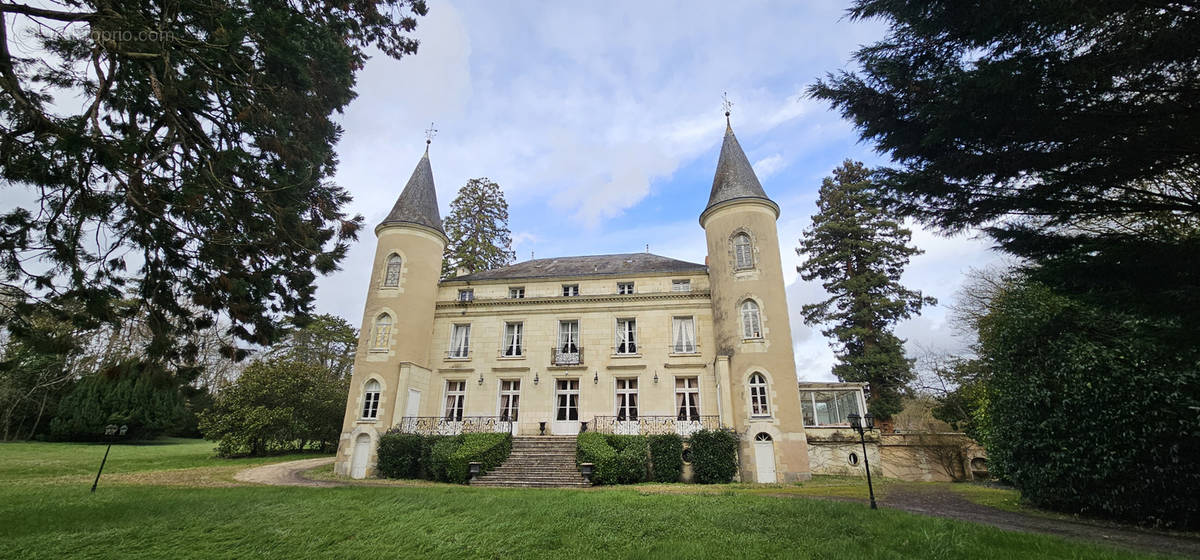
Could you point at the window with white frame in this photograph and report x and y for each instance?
(743, 252)
(570, 290)
(510, 399)
(687, 398)
(371, 400)
(460, 341)
(681, 285)
(829, 407)
(383, 332)
(751, 320)
(513, 335)
(566, 394)
(391, 278)
(516, 293)
(626, 336)
(466, 295)
(758, 395)
(456, 394)
(624, 288)
(568, 337)
(627, 400)
(683, 335)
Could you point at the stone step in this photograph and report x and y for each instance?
(531, 485)
(537, 462)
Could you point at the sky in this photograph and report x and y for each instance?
(602, 123)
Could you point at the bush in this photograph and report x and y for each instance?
(489, 449)
(1091, 411)
(666, 457)
(618, 459)
(139, 395)
(441, 448)
(714, 456)
(402, 455)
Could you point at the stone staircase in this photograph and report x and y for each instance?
(537, 462)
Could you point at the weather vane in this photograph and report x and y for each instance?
(429, 134)
(727, 105)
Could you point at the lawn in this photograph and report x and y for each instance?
(51, 514)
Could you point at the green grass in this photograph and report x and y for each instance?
(50, 515)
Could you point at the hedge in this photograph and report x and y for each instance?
(618, 459)
(714, 456)
(666, 457)
(440, 458)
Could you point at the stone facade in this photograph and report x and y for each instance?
(444, 355)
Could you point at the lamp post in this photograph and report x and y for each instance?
(860, 424)
(110, 431)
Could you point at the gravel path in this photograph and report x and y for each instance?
(286, 474)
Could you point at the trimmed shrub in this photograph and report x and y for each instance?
(593, 447)
(402, 455)
(618, 459)
(714, 456)
(666, 457)
(489, 449)
(440, 452)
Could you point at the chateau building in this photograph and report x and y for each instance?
(631, 343)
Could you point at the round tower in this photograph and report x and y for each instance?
(391, 367)
(755, 364)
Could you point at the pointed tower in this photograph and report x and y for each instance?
(391, 369)
(755, 366)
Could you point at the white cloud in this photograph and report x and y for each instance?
(768, 166)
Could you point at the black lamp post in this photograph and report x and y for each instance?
(860, 424)
(110, 431)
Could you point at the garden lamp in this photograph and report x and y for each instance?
(860, 424)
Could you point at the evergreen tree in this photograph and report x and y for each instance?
(327, 341)
(199, 155)
(478, 229)
(1067, 129)
(859, 251)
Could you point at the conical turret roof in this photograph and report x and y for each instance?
(418, 202)
(735, 177)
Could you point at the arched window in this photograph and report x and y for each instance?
(751, 321)
(758, 396)
(383, 332)
(743, 251)
(392, 278)
(762, 436)
(371, 400)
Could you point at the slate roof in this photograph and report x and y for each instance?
(735, 177)
(597, 265)
(418, 201)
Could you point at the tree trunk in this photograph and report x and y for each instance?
(38, 420)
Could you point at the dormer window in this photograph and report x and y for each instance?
(625, 288)
(570, 290)
(466, 295)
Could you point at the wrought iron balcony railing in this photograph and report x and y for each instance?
(684, 348)
(654, 425)
(442, 426)
(562, 356)
(459, 354)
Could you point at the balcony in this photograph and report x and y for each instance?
(458, 355)
(654, 425)
(441, 426)
(559, 357)
(684, 349)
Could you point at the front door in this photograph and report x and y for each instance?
(566, 407)
(764, 458)
(510, 403)
(627, 406)
(362, 453)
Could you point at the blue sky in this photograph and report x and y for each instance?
(602, 123)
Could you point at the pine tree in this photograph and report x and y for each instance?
(478, 229)
(859, 251)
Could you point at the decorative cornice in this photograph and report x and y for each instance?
(560, 300)
(626, 366)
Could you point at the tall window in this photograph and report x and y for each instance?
(570, 290)
(392, 278)
(516, 293)
(383, 332)
(371, 400)
(758, 396)
(751, 321)
(456, 393)
(683, 335)
(627, 397)
(513, 339)
(568, 337)
(743, 251)
(624, 288)
(626, 336)
(687, 398)
(566, 393)
(510, 399)
(460, 341)
(681, 285)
